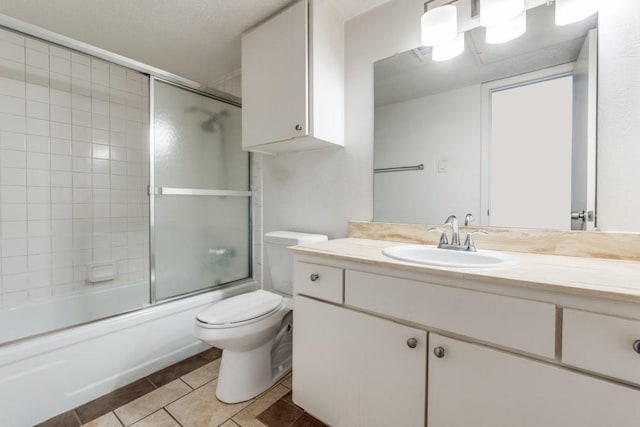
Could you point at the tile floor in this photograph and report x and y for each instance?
(183, 394)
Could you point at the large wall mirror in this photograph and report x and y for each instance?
(506, 132)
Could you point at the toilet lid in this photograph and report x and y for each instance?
(241, 308)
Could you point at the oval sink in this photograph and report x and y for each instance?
(431, 255)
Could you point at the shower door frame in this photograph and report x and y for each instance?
(152, 191)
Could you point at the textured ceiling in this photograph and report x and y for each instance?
(196, 39)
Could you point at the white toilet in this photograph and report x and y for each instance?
(254, 329)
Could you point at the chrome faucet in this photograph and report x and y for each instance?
(468, 245)
(455, 236)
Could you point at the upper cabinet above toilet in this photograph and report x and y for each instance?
(293, 80)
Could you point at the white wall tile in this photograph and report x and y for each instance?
(12, 87)
(60, 114)
(80, 86)
(37, 92)
(81, 118)
(37, 45)
(61, 179)
(12, 123)
(11, 250)
(13, 283)
(37, 76)
(38, 144)
(60, 65)
(38, 110)
(14, 229)
(100, 136)
(13, 176)
(81, 180)
(60, 163)
(39, 228)
(61, 195)
(81, 133)
(11, 37)
(38, 160)
(12, 70)
(82, 164)
(98, 121)
(12, 141)
(13, 159)
(12, 105)
(39, 194)
(60, 82)
(14, 264)
(38, 211)
(60, 98)
(39, 245)
(12, 51)
(37, 127)
(40, 178)
(80, 71)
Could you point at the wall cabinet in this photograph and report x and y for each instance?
(293, 80)
(371, 349)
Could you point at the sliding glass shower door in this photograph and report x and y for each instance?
(201, 197)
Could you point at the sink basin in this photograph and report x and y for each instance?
(431, 255)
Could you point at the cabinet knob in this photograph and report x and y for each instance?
(438, 352)
(412, 342)
(636, 346)
(298, 127)
(314, 277)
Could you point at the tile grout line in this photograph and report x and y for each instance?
(75, 414)
(117, 417)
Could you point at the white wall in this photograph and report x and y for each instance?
(321, 191)
(618, 197)
(428, 130)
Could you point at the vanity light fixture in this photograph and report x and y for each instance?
(510, 30)
(450, 50)
(504, 20)
(496, 12)
(570, 11)
(439, 25)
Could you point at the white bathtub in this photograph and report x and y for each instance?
(46, 375)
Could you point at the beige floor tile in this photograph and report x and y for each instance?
(107, 420)
(151, 402)
(286, 381)
(247, 417)
(157, 419)
(203, 375)
(229, 423)
(201, 408)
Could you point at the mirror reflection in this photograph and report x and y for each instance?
(505, 132)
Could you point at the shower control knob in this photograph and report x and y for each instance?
(314, 277)
(439, 352)
(636, 346)
(298, 127)
(412, 342)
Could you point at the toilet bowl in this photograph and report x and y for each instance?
(254, 330)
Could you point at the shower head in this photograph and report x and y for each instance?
(212, 122)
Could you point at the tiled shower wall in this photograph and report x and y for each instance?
(73, 170)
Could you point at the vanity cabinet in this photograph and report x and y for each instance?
(293, 80)
(377, 347)
(353, 369)
(473, 385)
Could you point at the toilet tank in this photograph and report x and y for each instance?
(279, 261)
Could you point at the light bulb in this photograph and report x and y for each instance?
(496, 12)
(508, 31)
(449, 50)
(439, 25)
(570, 11)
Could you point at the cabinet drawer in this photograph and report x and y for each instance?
(601, 343)
(319, 281)
(511, 322)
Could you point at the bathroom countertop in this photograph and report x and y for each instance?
(594, 277)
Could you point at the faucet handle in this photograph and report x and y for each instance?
(443, 235)
(468, 218)
(469, 243)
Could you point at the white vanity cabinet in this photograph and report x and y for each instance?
(375, 346)
(473, 385)
(293, 80)
(353, 369)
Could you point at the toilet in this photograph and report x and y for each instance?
(254, 329)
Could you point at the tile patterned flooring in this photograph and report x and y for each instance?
(183, 394)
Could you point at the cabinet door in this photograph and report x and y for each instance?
(274, 78)
(471, 385)
(352, 369)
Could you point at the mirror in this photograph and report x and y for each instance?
(505, 132)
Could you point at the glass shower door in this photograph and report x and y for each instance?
(201, 196)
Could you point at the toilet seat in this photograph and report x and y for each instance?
(240, 310)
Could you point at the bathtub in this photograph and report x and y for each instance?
(43, 376)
